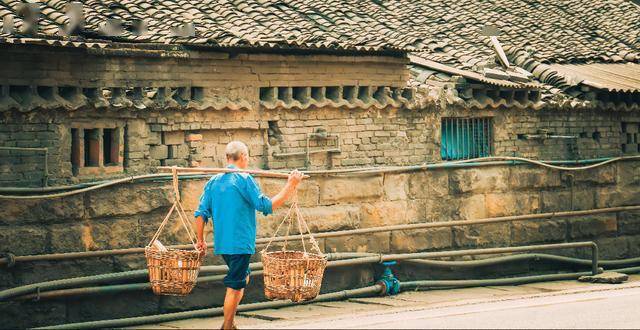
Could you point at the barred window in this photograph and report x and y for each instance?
(96, 150)
(630, 138)
(464, 138)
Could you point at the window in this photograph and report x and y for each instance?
(630, 138)
(464, 138)
(96, 150)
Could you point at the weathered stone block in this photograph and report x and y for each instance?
(617, 196)
(478, 180)
(345, 190)
(39, 211)
(331, 218)
(396, 186)
(421, 240)
(634, 245)
(628, 173)
(497, 234)
(473, 207)
(613, 247)
(159, 152)
(383, 214)
(498, 205)
(190, 192)
(599, 175)
(530, 232)
(416, 210)
(119, 234)
(173, 138)
(70, 238)
(127, 200)
(629, 223)
(429, 184)
(128, 304)
(593, 226)
(563, 200)
(521, 177)
(178, 151)
(45, 313)
(443, 209)
(193, 137)
(23, 240)
(137, 129)
(308, 189)
(374, 242)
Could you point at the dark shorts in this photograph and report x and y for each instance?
(238, 270)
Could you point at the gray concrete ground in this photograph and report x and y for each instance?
(560, 304)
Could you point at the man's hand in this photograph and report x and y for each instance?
(202, 247)
(294, 178)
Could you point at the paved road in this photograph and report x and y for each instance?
(603, 309)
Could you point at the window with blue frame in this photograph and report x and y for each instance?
(464, 138)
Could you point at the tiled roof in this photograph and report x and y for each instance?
(349, 25)
(558, 31)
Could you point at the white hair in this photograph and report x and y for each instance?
(236, 148)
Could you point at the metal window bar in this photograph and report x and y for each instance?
(465, 138)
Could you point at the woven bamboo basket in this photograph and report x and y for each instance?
(173, 271)
(294, 275)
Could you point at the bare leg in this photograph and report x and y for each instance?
(231, 300)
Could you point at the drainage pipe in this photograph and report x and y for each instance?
(217, 311)
(120, 276)
(360, 231)
(427, 255)
(136, 274)
(257, 267)
(416, 285)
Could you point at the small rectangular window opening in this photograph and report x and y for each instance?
(465, 138)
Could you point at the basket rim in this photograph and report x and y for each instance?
(313, 256)
(153, 249)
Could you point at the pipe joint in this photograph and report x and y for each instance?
(9, 259)
(390, 284)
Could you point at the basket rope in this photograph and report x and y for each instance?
(177, 206)
(302, 224)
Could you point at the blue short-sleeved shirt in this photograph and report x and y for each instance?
(232, 199)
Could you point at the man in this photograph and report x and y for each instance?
(232, 199)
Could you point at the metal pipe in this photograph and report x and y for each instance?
(300, 153)
(416, 285)
(216, 311)
(256, 270)
(414, 226)
(269, 174)
(475, 162)
(440, 254)
(120, 276)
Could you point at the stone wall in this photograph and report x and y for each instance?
(127, 216)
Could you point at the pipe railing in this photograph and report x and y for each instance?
(32, 291)
(10, 259)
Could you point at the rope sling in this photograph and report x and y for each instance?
(290, 274)
(173, 271)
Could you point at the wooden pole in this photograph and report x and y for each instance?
(269, 174)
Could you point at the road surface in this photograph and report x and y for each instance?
(604, 309)
(559, 304)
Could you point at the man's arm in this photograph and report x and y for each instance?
(201, 245)
(287, 191)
